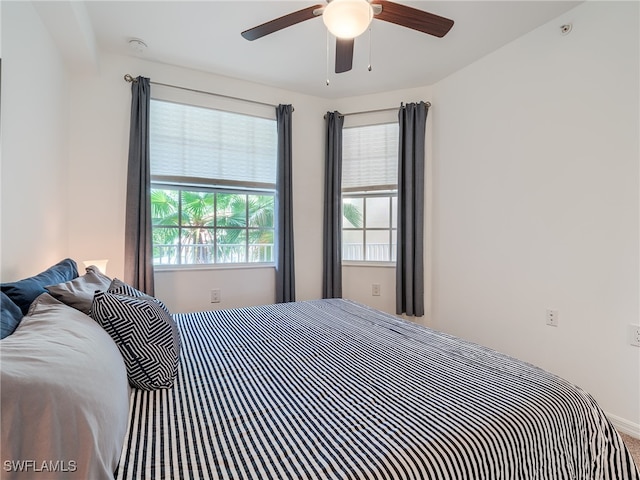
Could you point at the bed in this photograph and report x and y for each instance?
(332, 389)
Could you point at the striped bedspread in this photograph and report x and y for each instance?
(331, 389)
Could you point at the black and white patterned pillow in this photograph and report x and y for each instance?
(145, 334)
(121, 288)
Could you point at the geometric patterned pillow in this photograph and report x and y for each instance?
(121, 288)
(145, 334)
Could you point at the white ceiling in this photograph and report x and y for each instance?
(205, 35)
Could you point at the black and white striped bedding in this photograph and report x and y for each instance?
(333, 389)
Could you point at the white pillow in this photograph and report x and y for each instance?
(78, 293)
(64, 393)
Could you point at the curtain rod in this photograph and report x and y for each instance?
(428, 104)
(130, 79)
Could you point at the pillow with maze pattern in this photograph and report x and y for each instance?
(145, 334)
(119, 287)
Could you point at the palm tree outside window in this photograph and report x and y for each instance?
(196, 227)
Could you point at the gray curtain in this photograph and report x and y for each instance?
(138, 248)
(410, 258)
(285, 268)
(332, 247)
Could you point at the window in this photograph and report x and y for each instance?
(211, 226)
(213, 186)
(369, 193)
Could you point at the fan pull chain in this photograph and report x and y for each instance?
(327, 72)
(369, 67)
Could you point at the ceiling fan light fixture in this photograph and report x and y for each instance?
(347, 18)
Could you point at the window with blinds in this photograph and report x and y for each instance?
(212, 147)
(370, 158)
(369, 192)
(213, 177)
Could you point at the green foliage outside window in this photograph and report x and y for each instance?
(205, 227)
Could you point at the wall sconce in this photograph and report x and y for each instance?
(100, 264)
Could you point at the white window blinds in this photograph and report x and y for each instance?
(203, 145)
(370, 157)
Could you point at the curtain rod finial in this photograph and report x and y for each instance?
(129, 78)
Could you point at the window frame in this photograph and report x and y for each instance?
(389, 195)
(247, 228)
(364, 192)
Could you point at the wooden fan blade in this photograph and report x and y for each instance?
(344, 54)
(280, 23)
(413, 18)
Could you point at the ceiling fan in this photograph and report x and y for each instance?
(347, 19)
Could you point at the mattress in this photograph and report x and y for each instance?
(331, 389)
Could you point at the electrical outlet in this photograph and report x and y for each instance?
(375, 289)
(215, 295)
(552, 317)
(634, 335)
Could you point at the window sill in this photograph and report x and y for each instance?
(353, 263)
(212, 266)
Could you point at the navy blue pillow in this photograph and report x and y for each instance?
(23, 292)
(10, 316)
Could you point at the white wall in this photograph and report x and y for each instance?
(35, 133)
(100, 124)
(536, 185)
